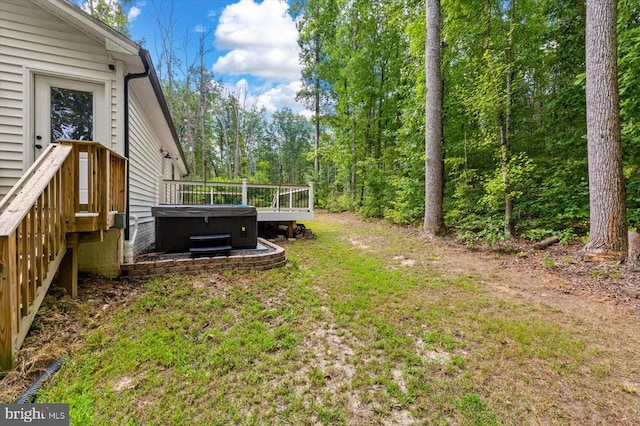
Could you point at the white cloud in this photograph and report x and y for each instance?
(280, 96)
(200, 29)
(133, 13)
(272, 97)
(271, 64)
(261, 39)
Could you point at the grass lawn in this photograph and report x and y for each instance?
(359, 328)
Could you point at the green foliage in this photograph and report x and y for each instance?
(290, 138)
(464, 201)
(519, 169)
(548, 262)
(514, 114)
(632, 175)
(112, 13)
(407, 206)
(537, 234)
(628, 66)
(377, 192)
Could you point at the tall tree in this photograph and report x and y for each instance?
(111, 12)
(204, 88)
(291, 134)
(315, 20)
(608, 221)
(433, 212)
(165, 52)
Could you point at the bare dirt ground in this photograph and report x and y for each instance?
(587, 293)
(555, 275)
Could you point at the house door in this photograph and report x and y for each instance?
(68, 109)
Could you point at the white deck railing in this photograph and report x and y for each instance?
(274, 198)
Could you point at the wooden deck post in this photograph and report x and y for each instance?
(69, 266)
(292, 227)
(8, 305)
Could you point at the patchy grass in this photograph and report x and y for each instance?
(360, 328)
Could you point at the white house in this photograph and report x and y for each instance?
(85, 139)
(65, 75)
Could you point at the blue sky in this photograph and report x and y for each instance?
(253, 44)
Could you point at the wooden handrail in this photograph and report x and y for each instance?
(37, 222)
(22, 201)
(235, 184)
(31, 171)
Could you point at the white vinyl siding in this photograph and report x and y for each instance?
(145, 170)
(34, 41)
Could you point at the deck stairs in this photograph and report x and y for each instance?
(41, 219)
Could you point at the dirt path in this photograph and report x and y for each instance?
(598, 303)
(586, 289)
(601, 302)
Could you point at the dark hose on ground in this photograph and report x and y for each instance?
(30, 394)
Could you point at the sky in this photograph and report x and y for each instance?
(253, 44)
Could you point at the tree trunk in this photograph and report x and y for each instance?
(433, 212)
(316, 142)
(608, 223)
(203, 107)
(236, 154)
(505, 157)
(354, 159)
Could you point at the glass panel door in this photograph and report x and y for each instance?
(67, 109)
(71, 114)
(70, 110)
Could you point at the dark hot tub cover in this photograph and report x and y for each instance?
(239, 210)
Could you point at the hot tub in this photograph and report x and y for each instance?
(175, 224)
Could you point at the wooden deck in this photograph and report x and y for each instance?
(274, 203)
(40, 219)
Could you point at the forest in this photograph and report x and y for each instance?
(514, 113)
(519, 60)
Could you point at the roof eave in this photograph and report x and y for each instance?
(120, 47)
(157, 89)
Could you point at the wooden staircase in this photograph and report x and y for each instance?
(210, 245)
(40, 220)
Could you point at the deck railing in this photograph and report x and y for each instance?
(263, 197)
(99, 189)
(37, 219)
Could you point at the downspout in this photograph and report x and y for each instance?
(128, 244)
(128, 78)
